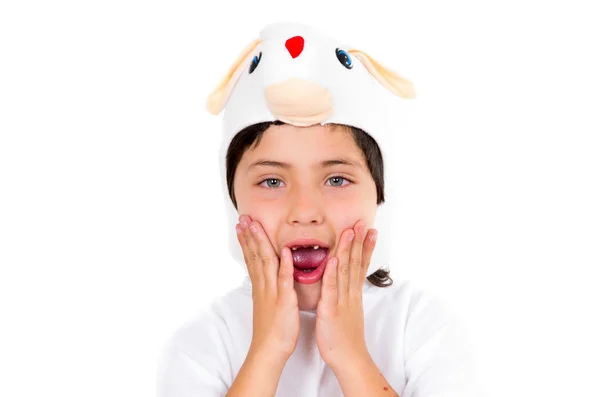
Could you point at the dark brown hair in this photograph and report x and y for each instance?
(251, 136)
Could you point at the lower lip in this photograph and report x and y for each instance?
(312, 277)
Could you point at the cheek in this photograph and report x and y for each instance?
(346, 213)
(269, 218)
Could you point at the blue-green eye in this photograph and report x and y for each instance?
(271, 180)
(255, 62)
(275, 183)
(344, 58)
(338, 178)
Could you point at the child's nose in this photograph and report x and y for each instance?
(295, 45)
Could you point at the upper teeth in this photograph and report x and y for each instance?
(315, 247)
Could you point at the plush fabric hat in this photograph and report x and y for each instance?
(296, 74)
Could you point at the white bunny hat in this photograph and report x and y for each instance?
(298, 75)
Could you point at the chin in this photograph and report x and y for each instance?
(308, 294)
(308, 287)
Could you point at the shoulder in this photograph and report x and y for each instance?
(422, 307)
(410, 300)
(424, 304)
(437, 350)
(200, 352)
(209, 327)
(208, 333)
(417, 314)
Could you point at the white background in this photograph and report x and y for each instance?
(111, 230)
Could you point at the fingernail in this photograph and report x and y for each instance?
(238, 229)
(244, 222)
(351, 236)
(254, 228)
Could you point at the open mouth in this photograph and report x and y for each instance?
(308, 258)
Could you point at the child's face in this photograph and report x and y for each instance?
(305, 200)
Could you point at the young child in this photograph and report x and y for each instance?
(302, 157)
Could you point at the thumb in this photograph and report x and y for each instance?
(286, 271)
(329, 289)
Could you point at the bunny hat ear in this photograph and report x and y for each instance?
(386, 77)
(218, 98)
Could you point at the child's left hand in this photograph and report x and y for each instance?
(340, 319)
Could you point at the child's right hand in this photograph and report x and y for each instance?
(276, 316)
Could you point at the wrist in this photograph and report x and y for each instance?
(268, 357)
(259, 375)
(352, 363)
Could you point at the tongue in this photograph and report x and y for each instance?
(308, 258)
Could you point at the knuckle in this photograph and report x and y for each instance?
(254, 254)
(344, 269)
(270, 293)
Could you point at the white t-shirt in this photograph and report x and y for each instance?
(415, 340)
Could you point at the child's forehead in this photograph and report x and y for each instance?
(290, 155)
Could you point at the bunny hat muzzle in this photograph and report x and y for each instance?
(296, 74)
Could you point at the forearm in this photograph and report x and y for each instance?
(258, 376)
(361, 378)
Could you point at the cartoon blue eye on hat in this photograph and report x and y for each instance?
(300, 74)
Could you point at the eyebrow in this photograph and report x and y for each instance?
(323, 164)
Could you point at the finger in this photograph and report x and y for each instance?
(329, 294)
(344, 262)
(267, 256)
(286, 274)
(242, 240)
(354, 267)
(368, 248)
(252, 258)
